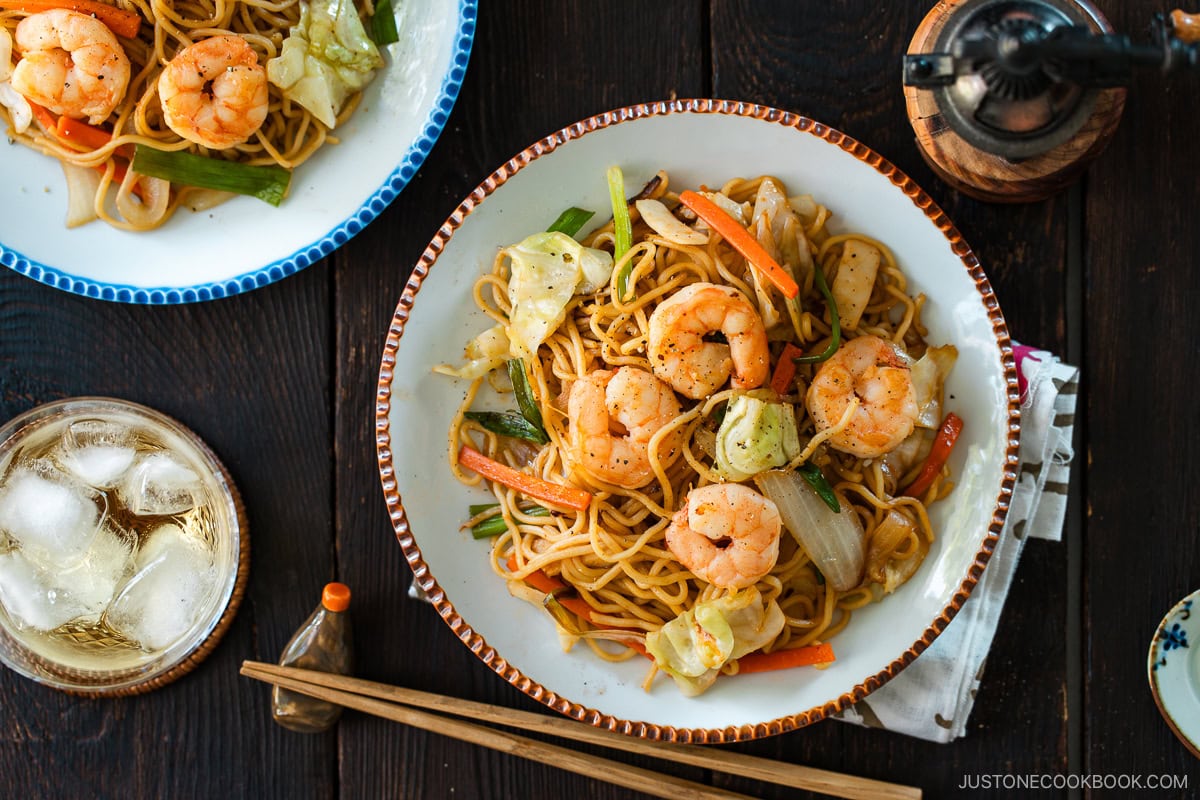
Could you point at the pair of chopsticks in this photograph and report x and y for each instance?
(414, 708)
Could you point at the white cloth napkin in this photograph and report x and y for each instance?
(932, 698)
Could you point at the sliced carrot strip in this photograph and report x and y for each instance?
(741, 240)
(577, 606)
(56, 126)
(89, 136)
(121, 22)
(785, 370)
(119, 170)
(547, 585)
(947, 435)
(553, 493)
(786, 659)
(43, 116)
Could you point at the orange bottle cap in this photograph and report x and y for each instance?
(336, 596)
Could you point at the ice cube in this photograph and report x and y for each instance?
(97, 451)
(159, 483)
(50, 516)
(163, 600)
(41, 597)
(29, 596)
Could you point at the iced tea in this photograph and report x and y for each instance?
(118, 540)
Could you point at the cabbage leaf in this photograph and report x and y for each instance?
(758, 433)
(547, 270)
(484, 353)
(694, 646)
(326, 57)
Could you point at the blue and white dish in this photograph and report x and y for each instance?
(1174, 670)
(245, 244)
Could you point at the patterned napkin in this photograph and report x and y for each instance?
(932, 698)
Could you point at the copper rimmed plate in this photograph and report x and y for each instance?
(697, 141)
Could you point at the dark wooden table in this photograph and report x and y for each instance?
(281, 383)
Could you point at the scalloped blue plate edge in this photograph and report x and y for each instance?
(372, 207)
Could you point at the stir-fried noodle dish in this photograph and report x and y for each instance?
(712, 427)
(150, 105)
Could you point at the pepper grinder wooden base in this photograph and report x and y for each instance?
(990, 177)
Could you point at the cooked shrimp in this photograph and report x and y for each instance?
(639, 404)
(726, 534)
(70, 63)
(214, 92)
(680, 355)
(876, 372)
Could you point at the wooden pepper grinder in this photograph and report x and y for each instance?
(1011, 99)
(1186, 26)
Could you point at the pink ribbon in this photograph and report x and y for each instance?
(1021, 354)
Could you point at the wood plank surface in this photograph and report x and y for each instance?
(1143, 358)
(250, 375)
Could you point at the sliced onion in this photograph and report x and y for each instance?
(897, 462)
(706, 441)
(19, 110)
(198, 199)
(928, 376)
(888, 536)
(728, 205)
(523, 452)
(833, 540)
(6, 66)
(805, 206)
(82, 185)
(854, 281)
(761, 228)
(150, 209)
(664, 223)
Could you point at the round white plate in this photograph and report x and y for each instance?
(245, 243)
(696, 141)
(1174, 670)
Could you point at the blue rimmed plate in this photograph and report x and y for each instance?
(244, 244)
(1174, 669)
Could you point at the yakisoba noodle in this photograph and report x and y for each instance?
(288, 136)
(609, 574)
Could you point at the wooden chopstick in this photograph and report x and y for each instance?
(604, 769)
(763, 769)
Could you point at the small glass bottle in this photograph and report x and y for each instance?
(323, 643)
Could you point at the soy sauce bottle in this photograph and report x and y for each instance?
(322, 643)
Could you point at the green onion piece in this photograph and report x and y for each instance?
(479, 508)
(718, 415)
(622, 229)
(816, 479)
(267, 183)
(571, 221)
(525, 400)
(835, 323)
(494, 526)
(565, 618)
(508, 423)
(382, 25)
